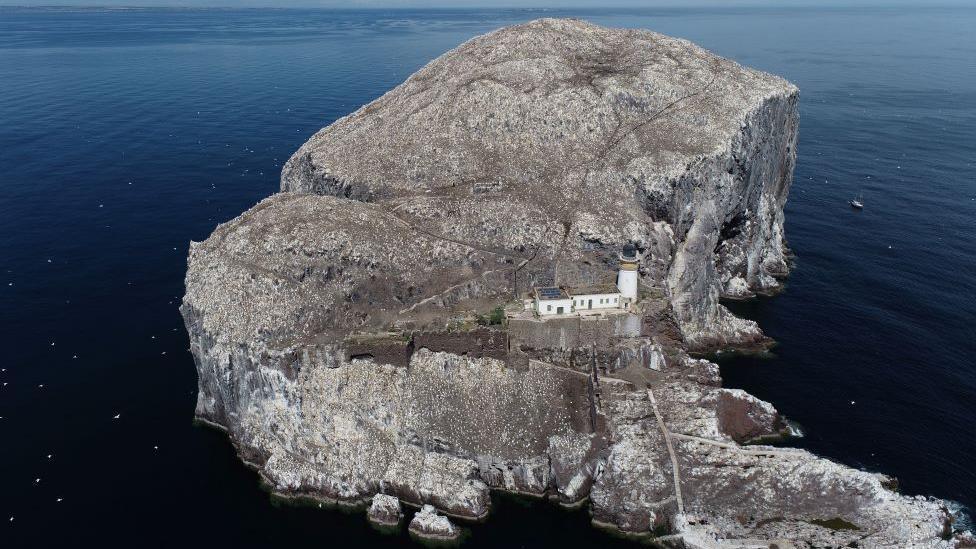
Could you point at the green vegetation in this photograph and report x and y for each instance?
(497, 315)
(494, 318)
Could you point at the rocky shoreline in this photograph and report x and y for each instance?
(341, 328)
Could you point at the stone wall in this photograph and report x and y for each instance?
(482, 342)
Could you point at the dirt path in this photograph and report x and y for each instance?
(450, 289)
(674, 457)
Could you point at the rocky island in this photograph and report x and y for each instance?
(367, 330)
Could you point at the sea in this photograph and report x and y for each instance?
(127, 133)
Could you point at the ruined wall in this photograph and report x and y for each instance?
(478, 343)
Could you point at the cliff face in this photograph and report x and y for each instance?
(327, 322)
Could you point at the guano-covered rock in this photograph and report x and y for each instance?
(346, 336)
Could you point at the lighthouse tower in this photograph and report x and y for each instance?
(627, 277)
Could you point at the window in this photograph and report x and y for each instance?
(548, 308)
(614, 301)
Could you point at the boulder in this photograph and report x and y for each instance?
(385, 510)
(428, 524)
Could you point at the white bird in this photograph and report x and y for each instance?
(852, 403)
(49, 456)
(59, 500)
(116, 416)
(37, 480)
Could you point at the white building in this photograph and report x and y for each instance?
(600, 296)
(552, 301)
(559, 301)
(562, 301)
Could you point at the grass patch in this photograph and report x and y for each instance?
(495, 317)
(835, 523)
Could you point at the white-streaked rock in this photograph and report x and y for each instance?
(590, 137)
(541, 147)
(385, 510)
(428, 524)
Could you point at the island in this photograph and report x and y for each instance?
(503, 274)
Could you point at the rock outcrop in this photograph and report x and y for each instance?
(385, 510)
(331, 323)
(428, 524)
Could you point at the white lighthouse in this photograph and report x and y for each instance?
(627, 277)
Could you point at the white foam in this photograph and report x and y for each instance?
(793, 429)
(962, 521)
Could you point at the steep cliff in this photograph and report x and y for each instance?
(330, 322)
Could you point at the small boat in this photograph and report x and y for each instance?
(857, 203)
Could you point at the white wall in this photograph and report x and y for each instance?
(550, 306)
(627, 282)
(582, 301)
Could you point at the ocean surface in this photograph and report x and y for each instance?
(126, 133)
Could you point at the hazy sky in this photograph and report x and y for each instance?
(474, 3)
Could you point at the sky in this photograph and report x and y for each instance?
(475, 3)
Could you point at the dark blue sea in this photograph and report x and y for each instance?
(126, 133)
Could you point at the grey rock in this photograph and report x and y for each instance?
(590, 137)
(733, 495)
(385, 510)
(317, 319)
(428, 524)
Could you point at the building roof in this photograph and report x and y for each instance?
(595, 289)
(550, 293)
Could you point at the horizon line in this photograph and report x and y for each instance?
(666, 4)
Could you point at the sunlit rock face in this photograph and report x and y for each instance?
(323, 321)
(589, 137)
